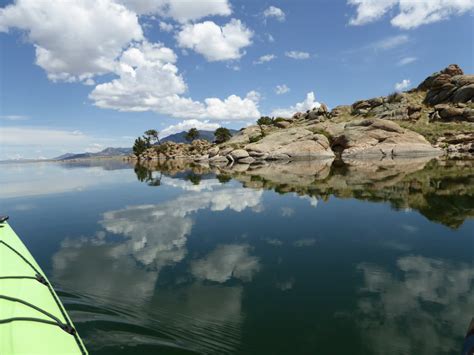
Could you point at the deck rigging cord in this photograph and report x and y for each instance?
(67, 326)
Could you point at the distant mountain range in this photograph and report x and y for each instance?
(107, 152)
(114, 152)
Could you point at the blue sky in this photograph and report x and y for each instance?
(83, 75)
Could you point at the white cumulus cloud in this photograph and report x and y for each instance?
(216, 42)
(179, 10)
(149, 81)
(281, 89)
(409, 13)
(146, 77)
(370, 10)
(72, 41)
(146, 74)
(186, 125)
(307, 104)
(297, 55)
(402, 85)
(274, 12)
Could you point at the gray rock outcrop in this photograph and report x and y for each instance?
(377, 139)
(450, 113)
(448, 85)
(293, 143)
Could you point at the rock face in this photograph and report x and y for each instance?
(377, 139)
(340, 111)
(448, 85)
(213, 151)
(318, 114)
(243, 136)
(283, 124)
(293, 143)
(450, 113)
(457, 145)
(239, 154)
(393, 107)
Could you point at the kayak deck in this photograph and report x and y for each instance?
(32, 318)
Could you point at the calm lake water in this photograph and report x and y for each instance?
(303, 258)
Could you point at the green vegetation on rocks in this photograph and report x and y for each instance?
(222, 135)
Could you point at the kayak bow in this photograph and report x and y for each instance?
(32, 318)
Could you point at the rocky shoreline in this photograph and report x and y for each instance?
(436, 118)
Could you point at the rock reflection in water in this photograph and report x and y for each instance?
(441, 190)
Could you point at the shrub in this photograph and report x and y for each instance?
(152, 135)
(264, 121)
(222, 135)
(394, 97)
(254, 139)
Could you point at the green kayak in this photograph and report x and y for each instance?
(32, 318)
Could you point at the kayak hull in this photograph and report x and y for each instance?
(32, 318)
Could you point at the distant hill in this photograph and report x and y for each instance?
(107, 152)
(113, 152)
(180, 137)
(65, 156)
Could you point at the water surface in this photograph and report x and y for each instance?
(302, 258)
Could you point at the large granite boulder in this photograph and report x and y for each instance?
(283, 124)
(239, 154)
(292, 144)
(452, 112)
(449, 85)
(448, 72)
(319, 113)
(218, 159)
(213, 151)
(340, 111)
(376, 139)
